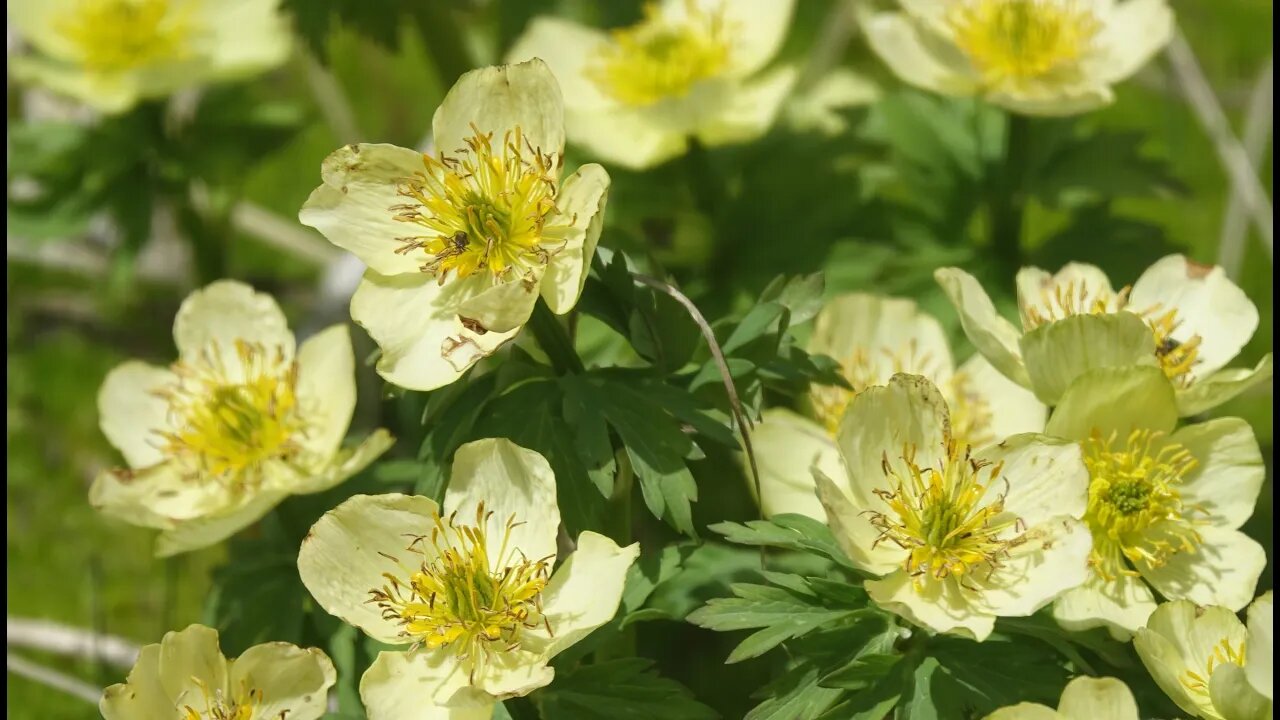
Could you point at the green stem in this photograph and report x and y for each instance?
(702, 180)
(554, 340)
(1008, 200)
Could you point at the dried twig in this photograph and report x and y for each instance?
(52, 678)
(1257, 136)
(60, 639)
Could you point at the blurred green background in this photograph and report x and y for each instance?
(69, 323)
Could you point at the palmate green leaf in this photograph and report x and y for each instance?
(789, 531)
(1096, 166)
(625, 689)
(795, 695)
(257, 595)
(989, 675)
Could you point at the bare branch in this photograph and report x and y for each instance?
(1257, 136)
(60, 639)
(52, 678)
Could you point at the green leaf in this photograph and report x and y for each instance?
(257, 595)
(800, 295)
(795, 695)
(625, 689)
(787, 530)
(1102, 165)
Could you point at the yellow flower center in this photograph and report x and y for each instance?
(943, 516)
(970, 412)
(485, 210)
(220, 707)
(1135, 510)
(659, 58)
(1177, 359)
(1022, 39)
(1223, 652)
(464, 595)
(228, 421)
(117, 35)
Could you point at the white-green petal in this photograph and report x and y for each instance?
(1258, 649)
(342, 465)
(625, 136)
(1042, 478)
(224, 312)
(1164, 662)
(756, 29)
(939, 605)
(130, 413)
(158, 496)
(1053, 559)
(1037, 289)
(191, 656)
(1059, 352)
(1225, 482)
(1014, 409)
(1223, 570)
(1233, 696)
(750, 110)
(1180, 636)
(853, 530)
(326, 388)
(1132, 33)
(400, 686)
(993, 336)
(917, 56)
(1055, 101)
(581, 199)
(584, 592)
(512, 484)
(141, 695)
(1115, 399)
(341, 559)
(498, 100)
(1121, 605)
(1208, 393)
(353, 208)
(247, 36)
(1026, 711)
(293, 681)
(879, 326)
(568, 49)
(205, 530)
(500, 308)
(787, 447)
(1087, 698)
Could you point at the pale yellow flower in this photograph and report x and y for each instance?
(874, 337)
(469, 589)
(1084, 698)
(956, 535)
(1035, 57)
(635, 96)
(1200, 657)
(237, 424)
(185, 677)
(461, 244)
(1188, 319)
(112, 53)
(1165, 505)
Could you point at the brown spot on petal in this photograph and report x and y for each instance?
(473, 325)
(1197, 271)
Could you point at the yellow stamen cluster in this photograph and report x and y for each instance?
(228, 420)
(1019, 40)
(970, 412)
(659, 59)
(1223, 652)
(485, 209)
(1135, 510)
(463, 596)
(219, 707)
(862, 368)
(1065, 299)
(1177, 359)
(117, 35)
(944, 516)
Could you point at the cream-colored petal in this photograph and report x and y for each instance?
(1233, 696)
(582, 199)
(1207, 304)
(992, 335)
(326, 388)
(1181, 637)
(130, 414)
(1115, 399)
(1164, 661)
(37, 23)
(939, 605)
(1224, 484)
(853, 530)
(1132, 33)
(510, 484)
(583, 593)
(917, 56)
(750, 110)
(188, 658)
(225, 312)
(756, 30)
(204, 531)
(1053, 560)
(1064, 101)
(1208, 393)
(107, 93)
(1223, 570)
(507, 675)
(787, 446)
(353, 208)
(1010, 408)
(415, 322)
(399, 686)
(625, 136)
(568, 49)
(1026, 711)
(1087, 698)
(343, 465)
(1058, 353)
(342, 559)
(1258, 649)
(892, 334)
(1040, 293)
(884, 422)
(1041, 478)
(292, 680)
(245, 36)
(158, 496)
(141, 695)
(1121, 605)
(818, 107)
(500, 99)
(501, 308)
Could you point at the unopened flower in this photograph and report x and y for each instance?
(874, 337)
(1188, 319)
(112, 53)
(1165, 505)
(635, 96)
(957, 536)
(1201, 657)
(185, 677)
(237, 424)
(468, 589)
(1084, 698)
(461, 244)
(1034, 57)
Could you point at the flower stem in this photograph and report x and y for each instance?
(554, 340)
(1008, 199)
